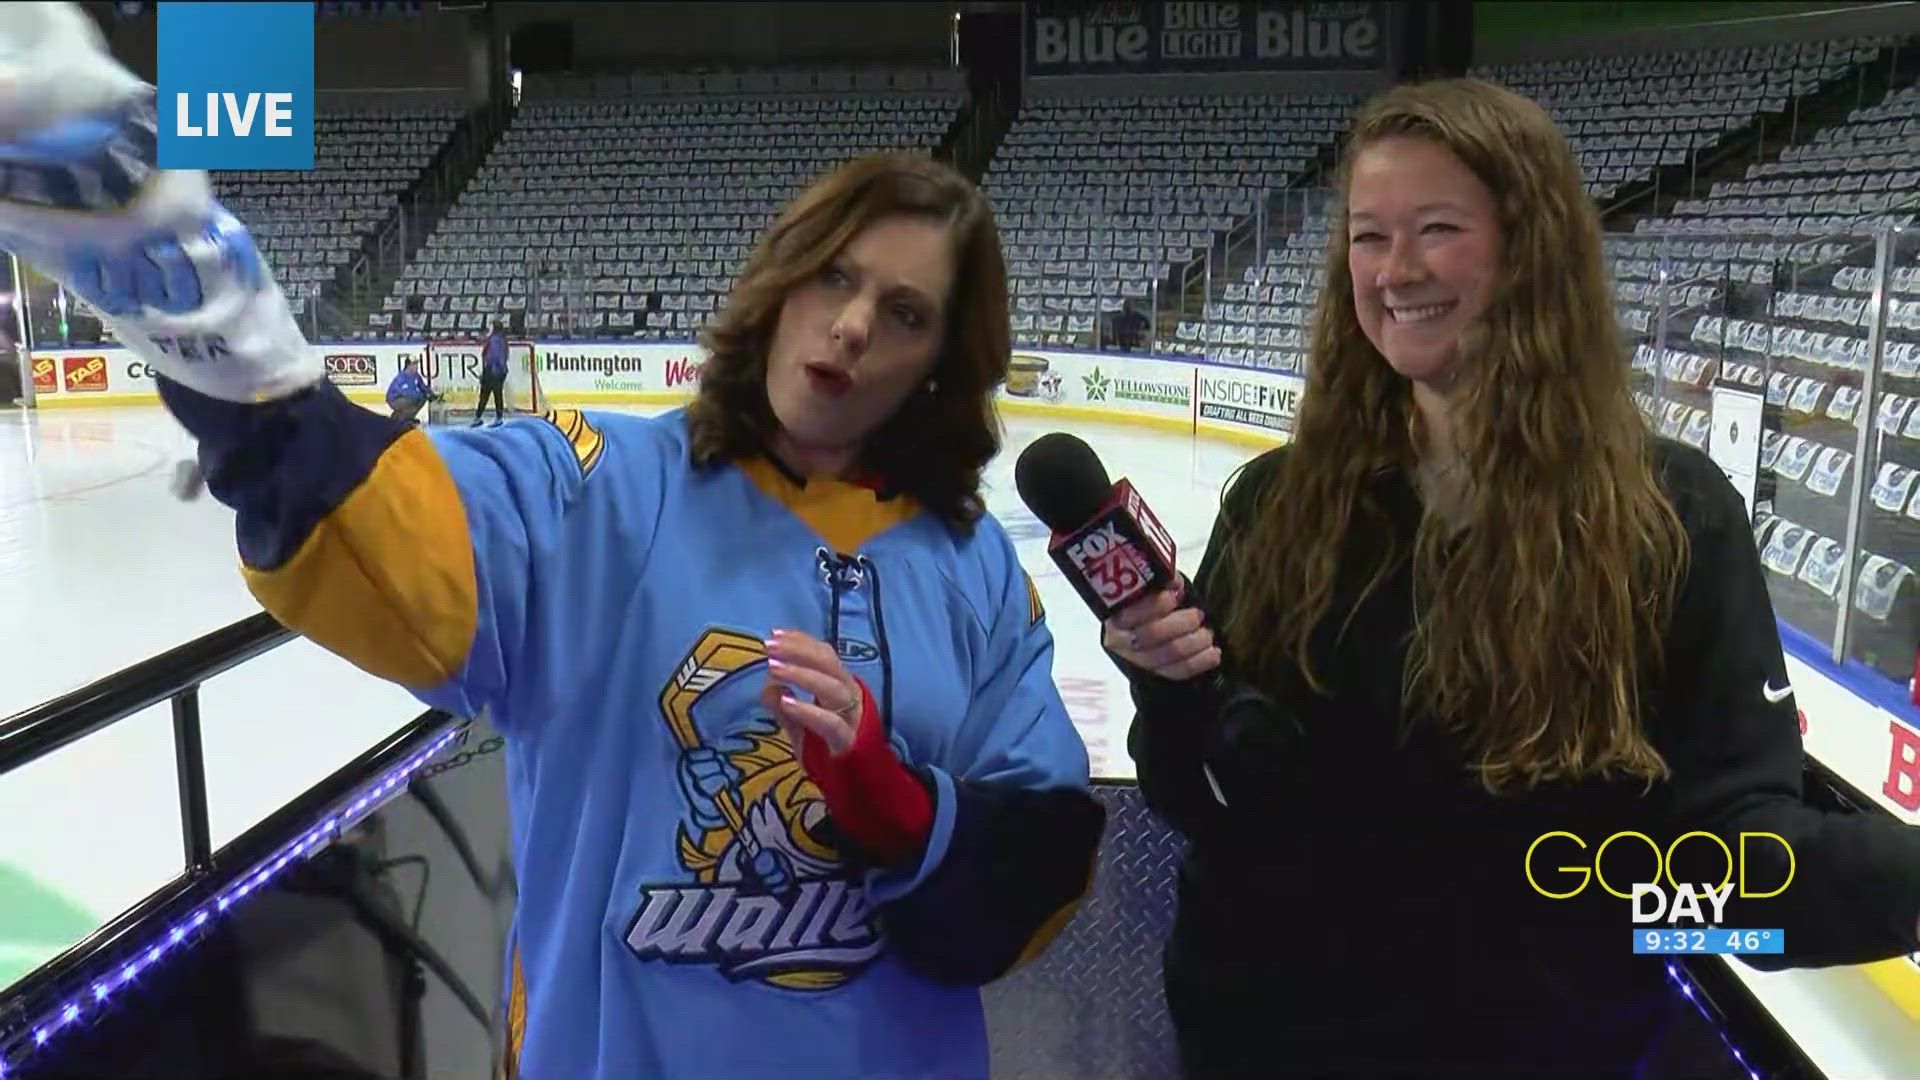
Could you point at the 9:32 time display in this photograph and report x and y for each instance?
(1716, 941)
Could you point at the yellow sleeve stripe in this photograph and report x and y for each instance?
(586, 439)
(516, 1021)
(387, 580)
(1034, 611)
(1055, 923)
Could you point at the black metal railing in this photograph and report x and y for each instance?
(174, 675)
(82, 979)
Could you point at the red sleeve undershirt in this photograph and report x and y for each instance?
(870, 795)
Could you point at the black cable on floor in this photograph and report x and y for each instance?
(438, 810)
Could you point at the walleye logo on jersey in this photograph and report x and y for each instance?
(767, 896)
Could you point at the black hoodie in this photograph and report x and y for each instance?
(1360, 906)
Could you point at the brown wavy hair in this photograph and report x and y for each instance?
(936, 444)
(1539, 630)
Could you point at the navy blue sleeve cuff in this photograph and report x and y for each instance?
(283, 465)
(1016, 863)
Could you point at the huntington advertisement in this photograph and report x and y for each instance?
(1165, 391)
(1219, 35)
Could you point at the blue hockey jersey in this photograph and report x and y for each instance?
(684, 910)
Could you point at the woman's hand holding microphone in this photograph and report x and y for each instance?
(1156, 634)
(1159, 635)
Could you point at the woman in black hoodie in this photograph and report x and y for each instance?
(1486, 604)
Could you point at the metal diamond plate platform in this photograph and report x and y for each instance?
(1090, 1007)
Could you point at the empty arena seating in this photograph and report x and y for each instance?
(1772, 291)
(309, 224)
(629, 217)
(1868, 171)
(1869, 166)
(1626, 115)
(1261, 320)
(1099, 198)
(1800, 207)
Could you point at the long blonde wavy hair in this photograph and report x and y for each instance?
(1539, 625)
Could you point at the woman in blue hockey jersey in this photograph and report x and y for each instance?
(789, 775)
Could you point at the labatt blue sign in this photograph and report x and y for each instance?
(1210, 35)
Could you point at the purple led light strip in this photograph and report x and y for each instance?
(1685, 984)
(48, 1024)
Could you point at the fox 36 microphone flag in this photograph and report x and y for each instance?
(235, 86)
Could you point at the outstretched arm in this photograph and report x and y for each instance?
(409, 557)
(412, 556)
(1854, 891)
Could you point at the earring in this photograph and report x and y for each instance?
(933, 386)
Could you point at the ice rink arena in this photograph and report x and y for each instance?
(229, 853)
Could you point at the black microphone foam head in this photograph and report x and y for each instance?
(1061, 480)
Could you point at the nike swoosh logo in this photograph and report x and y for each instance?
(1207, 771)
(1776, 696)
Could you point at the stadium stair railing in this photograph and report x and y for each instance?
(394, 243)
(1753, 143)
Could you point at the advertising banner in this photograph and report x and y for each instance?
(586, 371)
(356, 367)
(1140, 386)
(1159, 390)
(83, 374)
(568, 371)
(1248, 401)
(46, 375)
(1065, 38)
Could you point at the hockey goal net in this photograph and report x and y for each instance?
(452, 370)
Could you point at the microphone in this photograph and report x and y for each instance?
(1105, 540)
(1115, 551)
